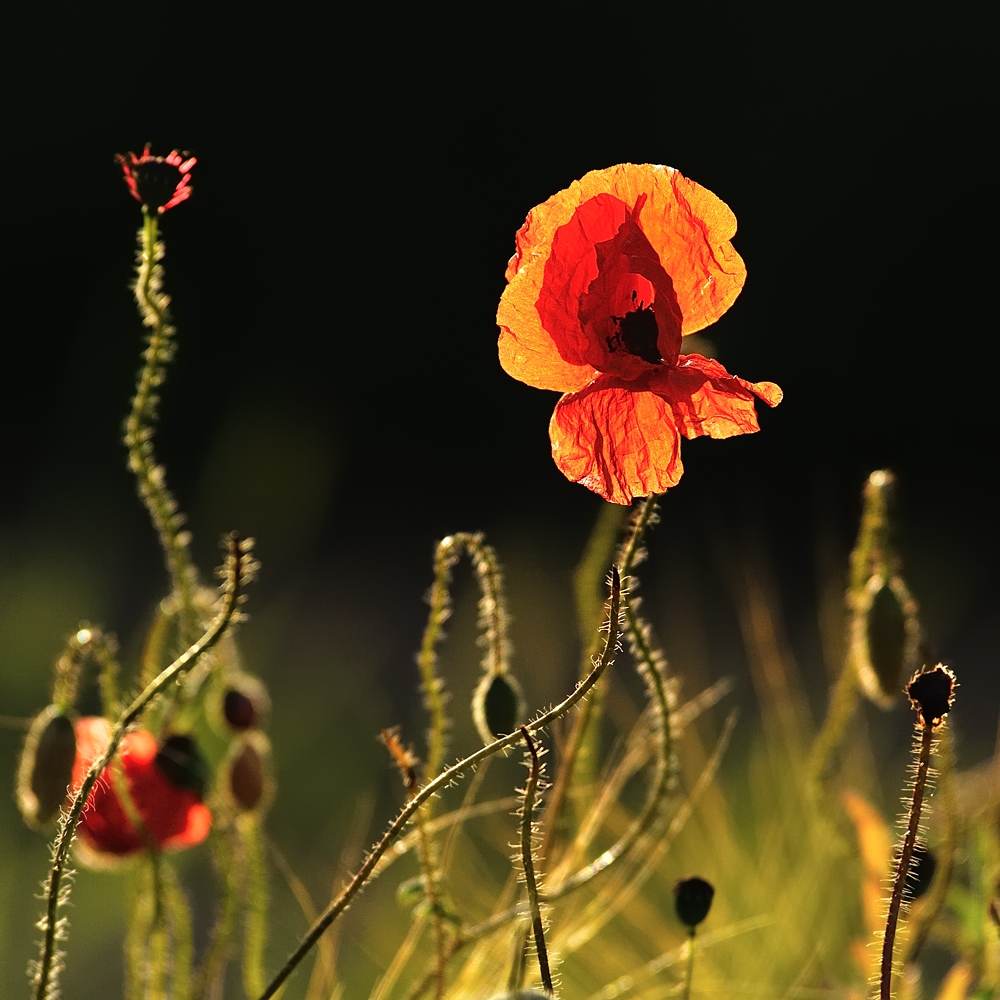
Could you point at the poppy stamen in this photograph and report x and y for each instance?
(637, 333)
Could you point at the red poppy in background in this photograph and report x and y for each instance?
(159, 182)
(607, 278)
(172, 814)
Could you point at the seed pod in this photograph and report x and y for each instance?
(248, 783)
(497, 706)
(692, 900)
(931, 693)
(46, 767)
(179, 759)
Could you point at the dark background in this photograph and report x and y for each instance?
(336, 273)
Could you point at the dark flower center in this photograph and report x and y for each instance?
(156, 181)
(637, 333)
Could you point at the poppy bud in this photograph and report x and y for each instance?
(692, 900)
(931, 693)
(248, 781)
(244, 702)
(923, 865)
(497, 706)
(46, 767)
(886, 631)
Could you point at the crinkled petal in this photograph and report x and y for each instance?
(707, 401)
(689, 227)
(618, 442)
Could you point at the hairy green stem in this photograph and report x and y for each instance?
(528, 862)
(905, 857)
(232, 590)
(338, 905)
(150, 476)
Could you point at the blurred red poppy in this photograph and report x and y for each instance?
(172, 813)
(159, 182)
(607, 278)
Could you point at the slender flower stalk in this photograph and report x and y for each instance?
(931, 695)
(340, 904)
(238, 570)
(139, 427)
(528, 862)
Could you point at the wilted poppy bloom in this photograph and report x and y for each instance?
(171, 811)
(607, 278)
(159, 182)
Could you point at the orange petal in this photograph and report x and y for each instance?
(708, 401)
(618, 442)
(689, 227)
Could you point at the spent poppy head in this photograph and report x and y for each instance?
(158, 182)
(607, 278)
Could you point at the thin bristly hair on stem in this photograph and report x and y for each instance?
(139, 426)
(343, 900)
(584, 731)
(237, 571)
(406, 763)
(532, 793)
(931, 693)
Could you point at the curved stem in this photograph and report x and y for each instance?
(338, 905)
(54, 890)
(150, 476)
(905, 857)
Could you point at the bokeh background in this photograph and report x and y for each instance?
(336, 392)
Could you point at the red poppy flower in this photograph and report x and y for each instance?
(607, 278)
(159, 182)
(171, 811)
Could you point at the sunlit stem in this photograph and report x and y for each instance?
(905, 858)
(528, 863)
(54, 895)
(340, 904)
(689, 971)
(139, 427)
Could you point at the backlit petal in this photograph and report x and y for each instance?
(616, 440)
(707, 401)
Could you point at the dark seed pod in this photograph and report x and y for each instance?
(248, 781)
(497, 706)
(179, 759)
(932, 693)
(693, 900)
(922, 869)
(46, 767)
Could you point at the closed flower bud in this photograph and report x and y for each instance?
(931, 693)
(46, 767)
(243, 702)
(692, 900)
(497, 706)
(886, 634)
(247, 774)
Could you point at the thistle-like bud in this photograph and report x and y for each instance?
(692, 900)
(46, 767)
(497, 706)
